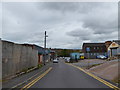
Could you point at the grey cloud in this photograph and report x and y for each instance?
(71, 6)
(101, 24)
(103, 20)
(66, 23)
(80, 32)
(0, 20)
(85, 35)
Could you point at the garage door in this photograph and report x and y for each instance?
(114, 52)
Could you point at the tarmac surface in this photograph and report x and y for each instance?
(65, 76)
(60, 76)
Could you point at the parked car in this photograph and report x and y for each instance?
(57, 58)
(82, 57)
(55, 61)
(67, 59)
(101, 57)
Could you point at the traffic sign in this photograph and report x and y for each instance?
(88, 49)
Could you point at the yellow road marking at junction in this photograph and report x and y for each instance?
(97, 78)
(37, 79)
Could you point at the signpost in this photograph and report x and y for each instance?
(88, 50)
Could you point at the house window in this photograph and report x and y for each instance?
(97, 54)
(91, 54)
(94, 54)
(118, 50)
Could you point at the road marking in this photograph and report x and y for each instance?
(97, 78)
(36, 79)
(25, 81)
(19, 84)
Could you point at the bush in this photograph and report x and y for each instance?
(40, 65)
(24, 70)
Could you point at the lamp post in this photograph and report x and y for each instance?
(45, 47)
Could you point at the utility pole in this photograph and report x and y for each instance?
(45, 47)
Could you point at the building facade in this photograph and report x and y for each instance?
(53, 55)
(92, 50)
(108, 43)
(40, 53)
(114, 48)
(43, 54)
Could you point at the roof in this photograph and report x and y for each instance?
(8, 41)
(36, 47)
(40, 49)
(113, 45)
(93, 44)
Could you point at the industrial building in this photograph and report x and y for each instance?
(92, 50)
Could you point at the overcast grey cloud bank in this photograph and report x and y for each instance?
(68, 24)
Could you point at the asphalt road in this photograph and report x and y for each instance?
(66, 76)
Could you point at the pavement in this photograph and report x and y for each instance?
(18, 81)
(108, 70)
(61, 75)
(90, 62)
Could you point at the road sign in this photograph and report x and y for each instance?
(88, 49)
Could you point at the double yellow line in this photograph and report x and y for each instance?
(97, 78)
(36, 80)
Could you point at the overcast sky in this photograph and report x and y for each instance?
(68, 25)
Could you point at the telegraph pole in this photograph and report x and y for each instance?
(45, 47)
